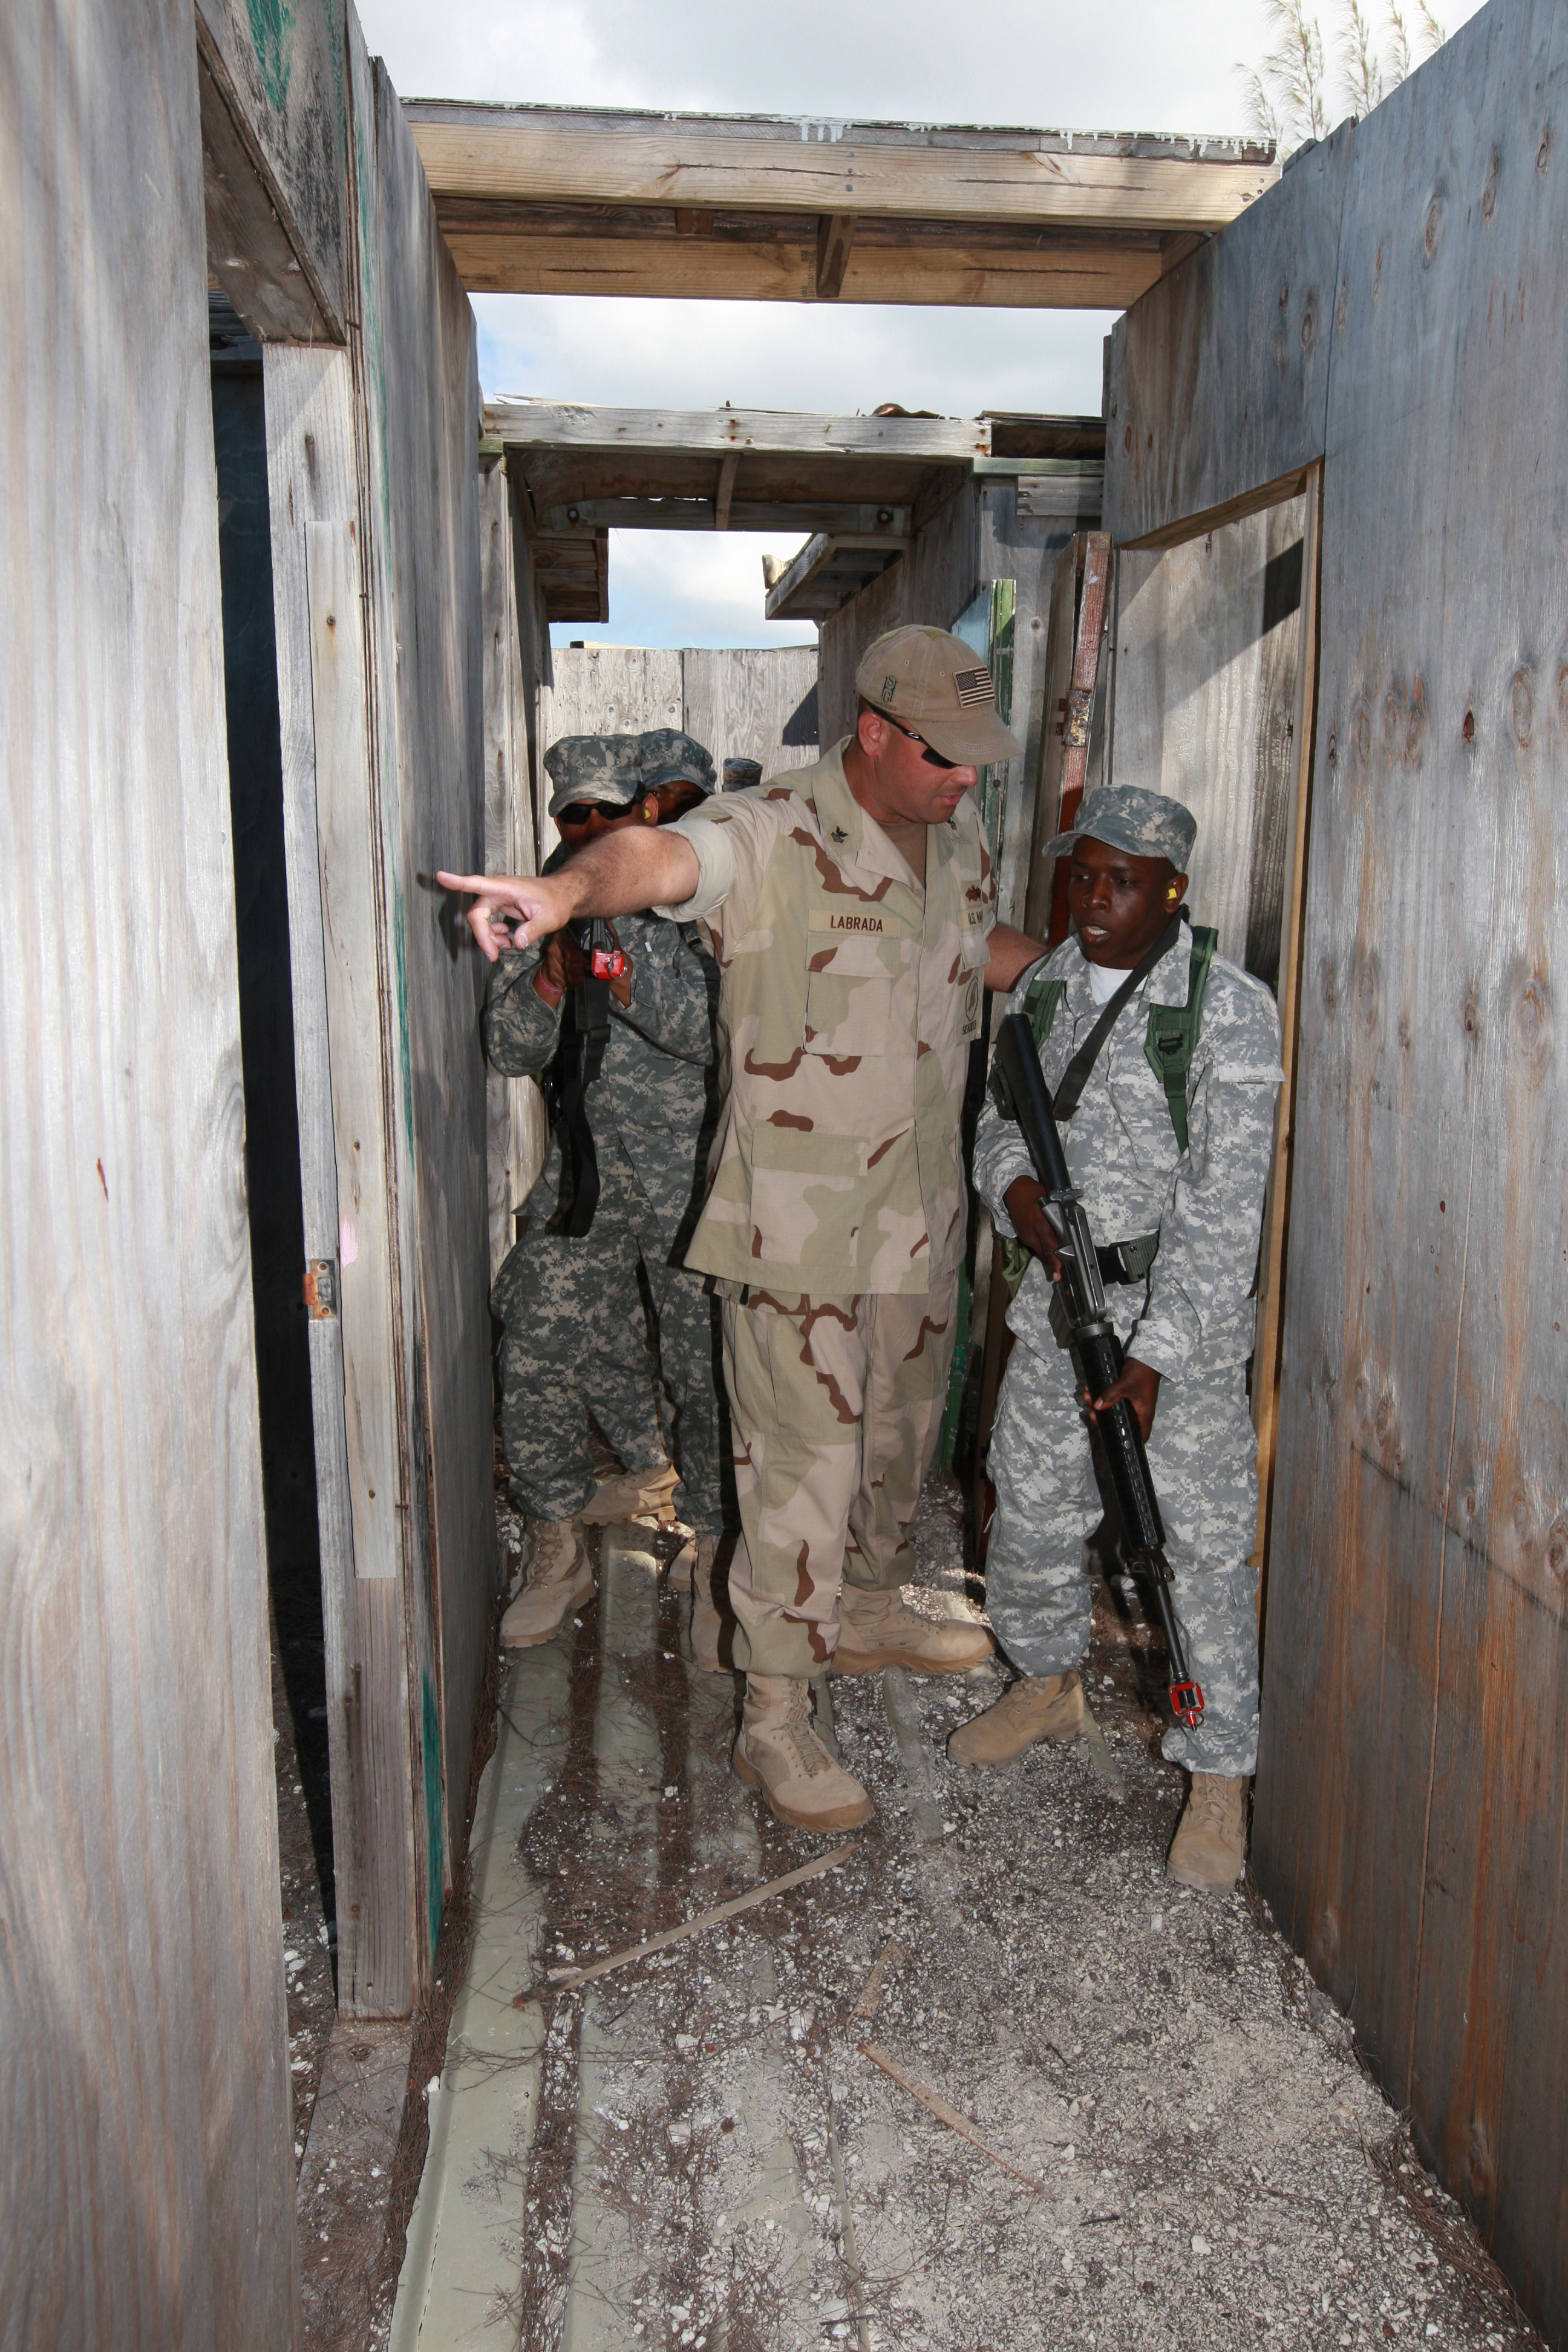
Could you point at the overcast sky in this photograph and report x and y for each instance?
(1141, 65)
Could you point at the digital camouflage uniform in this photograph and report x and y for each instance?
(1191, 1320)
(575, 1328)
(836, 1220)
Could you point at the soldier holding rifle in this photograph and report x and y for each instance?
(1168, 1136)
(851, 906)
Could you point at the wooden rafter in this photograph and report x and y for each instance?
(561, 200)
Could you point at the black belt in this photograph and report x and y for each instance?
(1128, 1260)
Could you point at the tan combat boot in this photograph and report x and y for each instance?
(1209, 1848)
(1035, 1707)
(876, 1628)
(779, 1753)
(631, 1494)
(713, 1626)
(559, 1577)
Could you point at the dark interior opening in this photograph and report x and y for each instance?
(271, 1119)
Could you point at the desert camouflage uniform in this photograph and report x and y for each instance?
(1191, 1320)
(836, 1220)
(575, 1334)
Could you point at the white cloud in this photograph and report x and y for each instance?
(1143, 65)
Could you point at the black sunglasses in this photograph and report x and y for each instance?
(932, 759)
(579, 812)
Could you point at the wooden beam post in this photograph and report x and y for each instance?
(835, 236)
(728, 469)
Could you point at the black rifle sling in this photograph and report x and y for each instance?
(588, 1015)
(1075, 1077)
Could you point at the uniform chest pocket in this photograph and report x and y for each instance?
(849, 993)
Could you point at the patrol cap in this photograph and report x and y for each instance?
(1146, 824)
(937, 685)
(668, 757)
(594, 768)
(739, 775)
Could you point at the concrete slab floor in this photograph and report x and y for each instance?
(695, 2152)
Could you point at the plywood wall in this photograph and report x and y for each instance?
(516, 1135)
(1207, 639)
(146, 2176)
(740, 702)
(1397, 306)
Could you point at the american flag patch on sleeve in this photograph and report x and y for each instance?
(973, 687)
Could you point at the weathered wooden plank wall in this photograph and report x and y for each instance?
(1413, 1790)
(275, 120)
(427, 403)
(747, 702)
(146, 2181)
(313, 471)
(514, 1109)
(1208, 643)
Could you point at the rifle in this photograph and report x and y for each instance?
(584, 1032)
(1019, 1090)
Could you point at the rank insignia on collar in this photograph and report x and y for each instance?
(839, 834)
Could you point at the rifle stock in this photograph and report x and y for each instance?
(1021, 1093)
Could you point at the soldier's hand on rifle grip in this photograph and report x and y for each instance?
(1139, 1386)
(1024, 1201)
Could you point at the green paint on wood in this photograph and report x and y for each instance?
(272, 35)
(435, 1823)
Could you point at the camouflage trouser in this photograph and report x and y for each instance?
(1203, 1456)
(576, 1342)
(836, 1404)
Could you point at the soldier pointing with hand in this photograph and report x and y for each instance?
(851, 909)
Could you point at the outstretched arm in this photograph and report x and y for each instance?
(620, 873)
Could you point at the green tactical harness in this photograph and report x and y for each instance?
(1169, 1044)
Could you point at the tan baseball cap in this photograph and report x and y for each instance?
(934, 683)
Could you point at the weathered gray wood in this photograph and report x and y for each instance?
(146, 2179)
(569, 425)
(1208, 644)
(277, 74)
(514, 1109)
(1293, 891)
(1060, 640)
(1219, 376)
(311, 480)
(350, 916)
(430, 422)
(751, 703)
(618, 689)
(249, 249)
(1411, 1815)
(948, 171)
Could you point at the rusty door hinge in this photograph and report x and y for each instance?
(321, 1289)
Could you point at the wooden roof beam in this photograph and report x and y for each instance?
(772, 162)
(549, 425)
(553, 200)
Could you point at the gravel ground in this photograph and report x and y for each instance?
(1179, 2145)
